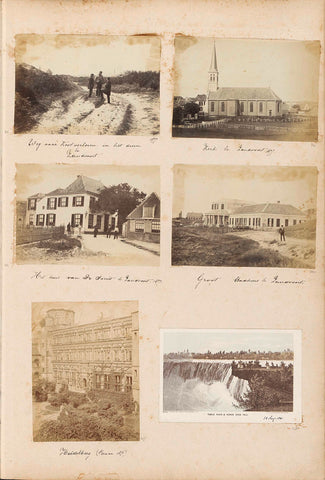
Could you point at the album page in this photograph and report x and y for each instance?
(163, 226)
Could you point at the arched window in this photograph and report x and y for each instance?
(222, 106)
(251, 107)
(261, 107)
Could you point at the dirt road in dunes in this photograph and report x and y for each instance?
(127, 114)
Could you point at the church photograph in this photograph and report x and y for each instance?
(246, 89)
(252, 216)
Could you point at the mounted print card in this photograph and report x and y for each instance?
(230, 376)
(87, 84)
(246, 88)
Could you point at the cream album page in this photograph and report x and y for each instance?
(163, 240)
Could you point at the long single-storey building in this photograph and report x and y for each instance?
(255, 216)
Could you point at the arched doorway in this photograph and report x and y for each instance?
(84, 383)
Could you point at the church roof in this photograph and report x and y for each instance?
(272, 208)
(213, 64)
(243, 93)
(82, 184)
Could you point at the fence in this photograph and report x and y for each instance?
(35, 234)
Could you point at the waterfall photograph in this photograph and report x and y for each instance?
(228, 372)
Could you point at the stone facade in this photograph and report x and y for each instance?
(101, 355)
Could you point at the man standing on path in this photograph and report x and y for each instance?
(116, 232)
(282, 234)
(99, 84)
(91, 83)
(95, 231)
(107, 90)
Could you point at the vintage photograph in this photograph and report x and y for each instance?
(87, 214)
(246, 88)
(87, 84)
(244, 216)
(206, 371)
(85, 367)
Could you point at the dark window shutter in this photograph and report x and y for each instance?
(74, 201)
(81, 218)
(82, 201)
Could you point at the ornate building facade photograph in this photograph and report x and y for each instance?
(246, 88)
(85, 369)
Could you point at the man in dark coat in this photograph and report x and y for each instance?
(91, 83)
(107, 89)
(95, 231)
(282, 234)
(99, 84)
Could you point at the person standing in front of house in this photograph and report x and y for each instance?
(91, 83)
(282, 233)
(95, 231)
(116, 232)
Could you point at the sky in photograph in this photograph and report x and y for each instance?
(86, 312)
(290, 68)
(35, 178)
(196, 187)
(215, 341)
(82, 55)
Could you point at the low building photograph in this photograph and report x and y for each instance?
(94, 214)
(253, 216)
(246, 88)
(85, 369)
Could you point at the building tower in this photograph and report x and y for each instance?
(213, 72)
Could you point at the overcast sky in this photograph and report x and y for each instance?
(86, 54)
(197, 186)
(35, 178)
(201, 341)
(290, 68)
(86, 312)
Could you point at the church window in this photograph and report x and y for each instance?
(222, 106)
(251, 107)
(261, 107)
(212, 106)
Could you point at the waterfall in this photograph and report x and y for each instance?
(202, 386)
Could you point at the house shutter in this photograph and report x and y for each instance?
(73, 202)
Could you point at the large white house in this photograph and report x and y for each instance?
(236, 213)
(237, 101)
(71, 205)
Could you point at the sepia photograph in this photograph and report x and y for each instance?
(85, 367)
(228, 371)
(246, 88)
(87, 84)
(87, 214)
(244, 216)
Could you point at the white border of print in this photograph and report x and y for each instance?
(238, 417)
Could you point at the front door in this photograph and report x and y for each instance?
(106, 222)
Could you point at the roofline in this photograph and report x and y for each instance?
(93, 323)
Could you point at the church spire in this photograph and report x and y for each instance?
(213, 64)
(213, 72)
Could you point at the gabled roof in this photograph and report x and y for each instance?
(151, 200)
(243, 93)
(82, 184)
(272, 208)
(37, 195)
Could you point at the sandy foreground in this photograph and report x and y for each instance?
(298, 248)
(127, 114)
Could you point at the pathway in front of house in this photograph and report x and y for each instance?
(118, 252)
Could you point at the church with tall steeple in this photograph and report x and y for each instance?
(238, 101)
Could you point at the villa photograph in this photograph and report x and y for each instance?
(87, 214)
(85, 371)
(244, 216)
(208, 373)
(246, 88)
(87, 84)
